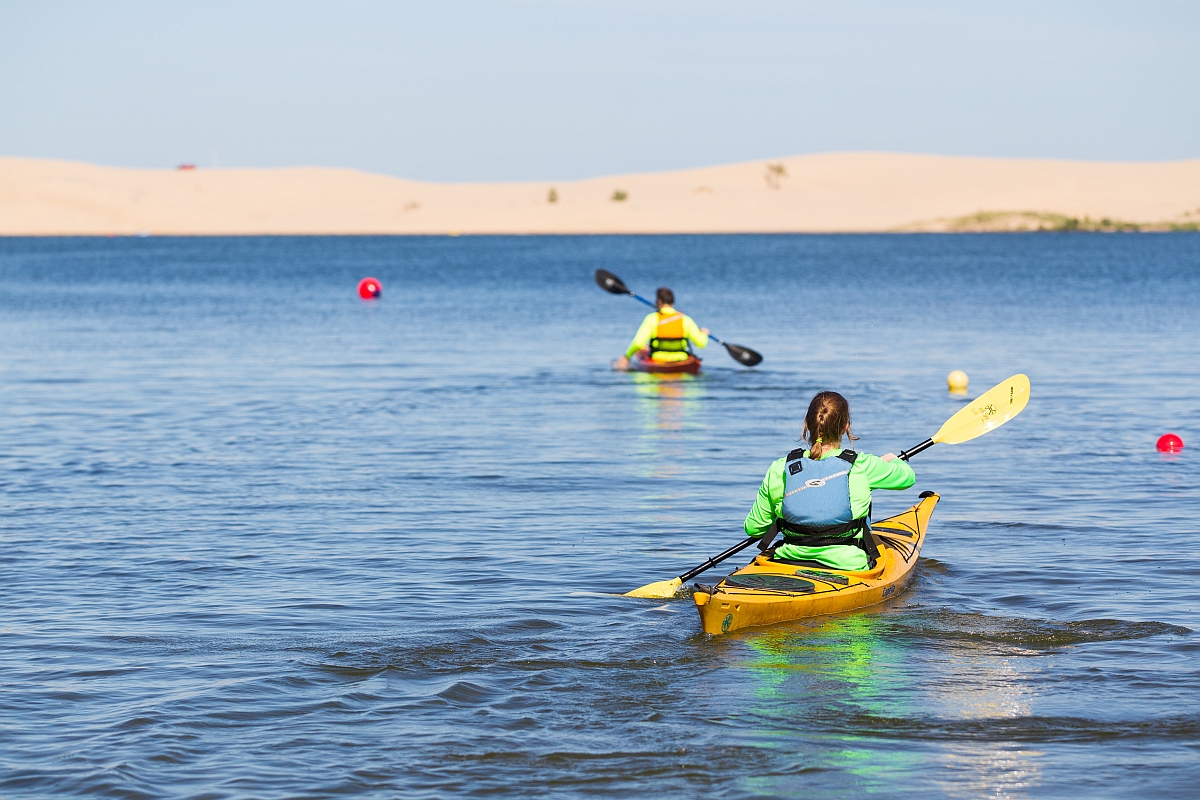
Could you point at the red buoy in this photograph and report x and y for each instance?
(1169, 443)
(369, 289)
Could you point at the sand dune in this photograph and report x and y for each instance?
(838, 192)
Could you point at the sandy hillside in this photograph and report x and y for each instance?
(826, 192)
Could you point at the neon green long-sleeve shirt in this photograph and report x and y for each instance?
(649, 328)
(869, 472)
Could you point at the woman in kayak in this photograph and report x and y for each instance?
(665, 333)
(821, 496)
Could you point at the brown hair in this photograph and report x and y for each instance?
(664, 296)
(827, 419)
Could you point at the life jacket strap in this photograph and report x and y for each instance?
(658, 345)
(799, 534)
(826, 537)
(869, 545)
(793, 459)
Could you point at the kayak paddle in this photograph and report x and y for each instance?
(614, 285)
(665, 590)
(984, 414)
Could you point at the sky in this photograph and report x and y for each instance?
(473, 90)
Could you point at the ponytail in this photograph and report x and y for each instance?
(827, 419)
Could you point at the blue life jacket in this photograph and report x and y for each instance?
(816, 501)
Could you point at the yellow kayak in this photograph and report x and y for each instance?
(765, 592)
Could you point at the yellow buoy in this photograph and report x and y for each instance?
(957, 382)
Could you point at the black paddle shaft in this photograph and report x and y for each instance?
(712, 562)
(763, 543)
(925, 445)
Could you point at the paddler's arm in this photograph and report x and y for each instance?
(770, 495)
(699, 336)
(644, 334)
(889, 474)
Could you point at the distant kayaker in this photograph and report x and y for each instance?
(821, 496)
(666, 334)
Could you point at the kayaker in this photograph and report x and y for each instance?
(821, 496)
(666, 334)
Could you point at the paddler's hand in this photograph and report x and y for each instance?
(704, 331)
(889, 457)
(622, 363)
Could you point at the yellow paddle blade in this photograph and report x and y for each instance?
(659, 590)
(990, 410)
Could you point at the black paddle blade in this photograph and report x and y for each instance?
(744, 354)
(611, 283)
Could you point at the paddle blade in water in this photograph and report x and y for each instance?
(744, 354)
(611, 283)
(659, 590)
(987, 412)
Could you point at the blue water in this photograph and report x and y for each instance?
(263, 539)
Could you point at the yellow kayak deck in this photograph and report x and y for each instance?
(765, 592)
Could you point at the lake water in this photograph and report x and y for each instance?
(264, 539)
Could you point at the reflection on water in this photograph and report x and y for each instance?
(841, 649)
(988, 769)
(813, 681)
(667, 407)
(854, 683)
(665, 400)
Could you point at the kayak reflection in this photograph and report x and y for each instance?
(667, 406)
(860, 683)
(829, 674)
(664, 400)
(850, 655)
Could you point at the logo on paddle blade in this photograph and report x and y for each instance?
(725, 623)
(984, 412)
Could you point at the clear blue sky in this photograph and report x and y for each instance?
(464, 90)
